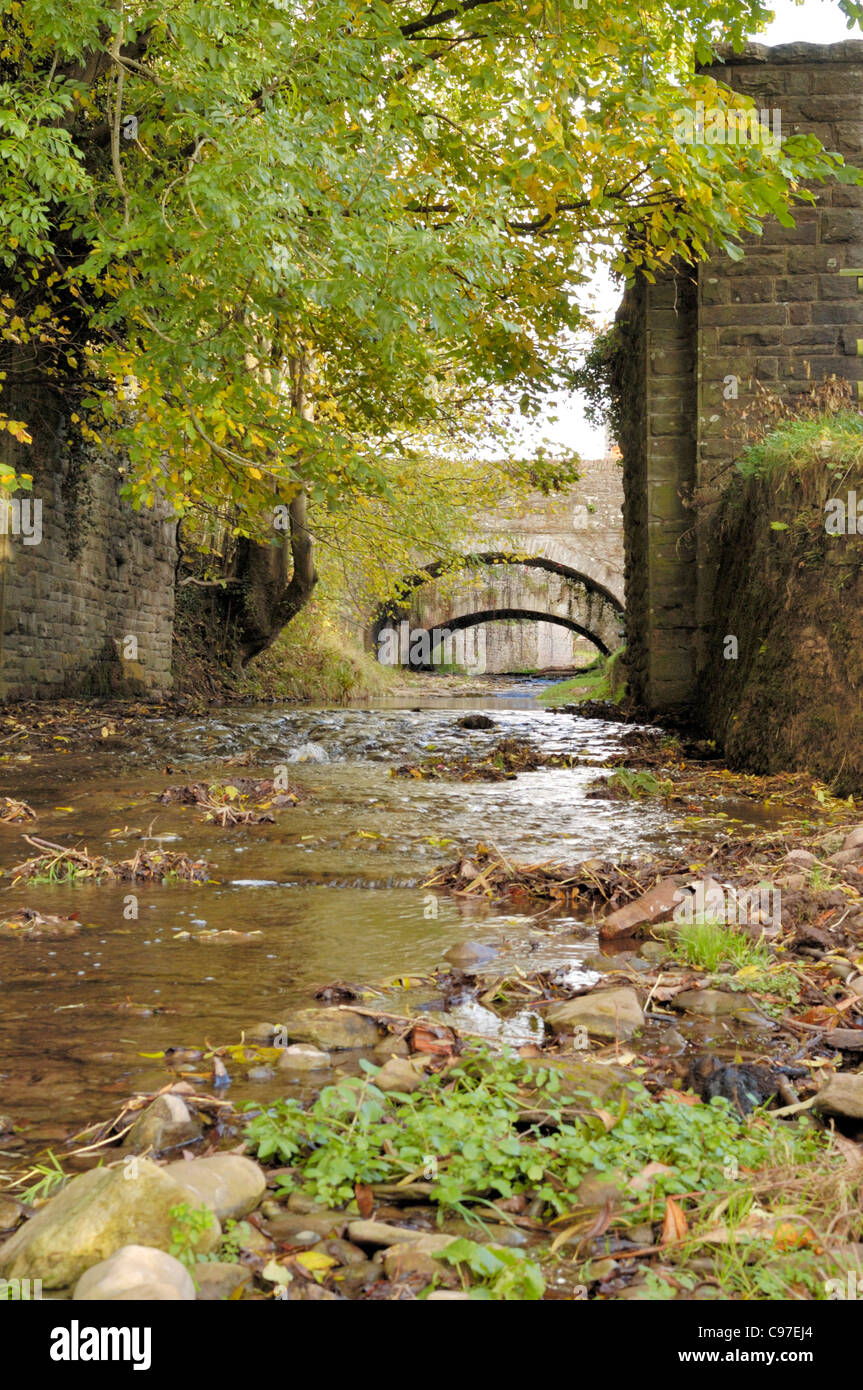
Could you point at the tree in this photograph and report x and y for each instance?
(257, 246)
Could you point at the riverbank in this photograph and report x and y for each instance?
(413, 957)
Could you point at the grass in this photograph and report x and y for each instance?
(712, 946)
(602, 680)
(827, 440)
(314, 661)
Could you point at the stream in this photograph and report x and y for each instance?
(334, 886)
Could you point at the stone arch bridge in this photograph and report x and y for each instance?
(535, 577)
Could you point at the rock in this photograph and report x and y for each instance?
(301, 1057)
(253, 1241)
(470, 953)
(11, 1212)
(842, 1094)
(475, 721)
(290, 1224)
(93, 1217)
(380, 1233)
(595, 1078)
(305, 1205)
(230, 1185)
(854, 838)
(791, 883)
(653, 950)
(712, 1002)
(216, 1281)
(843, 857)
(353, 1279)
(398, 1074)
(392, 1047)
(404, 1262)
(133, 1273)
(332, 1029)
(656, 904)
(262, 1032)
(341, 1250)
(845, 1039)
(605, 1014)
(801, 856)
(425, 1242)
(165, 1124)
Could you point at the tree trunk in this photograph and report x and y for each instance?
(269, 599)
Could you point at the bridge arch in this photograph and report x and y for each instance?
(495, 585)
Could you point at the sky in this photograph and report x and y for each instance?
(815, 21)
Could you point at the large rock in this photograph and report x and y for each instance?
(842, 1094)
(655, 905)
(399, 1074)
(228, 1184)
(854, 838)
(713, 1003)
(165, 1124)
(468, 954)
(578, 1074)
(94, 1216)
(137, 1272)
(604, 1014)
(381, 1233)
(300, 1057)
(332, 1030)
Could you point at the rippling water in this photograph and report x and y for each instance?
(334, 886)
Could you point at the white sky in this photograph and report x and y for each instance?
(813, 21)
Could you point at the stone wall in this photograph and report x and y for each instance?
(88, 609)
(705, 345)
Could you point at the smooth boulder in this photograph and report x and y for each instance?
(136, 1272)
(230, 1185)
(96, 1215)
(165, 1124)
(332, 1030)
(610, 1013)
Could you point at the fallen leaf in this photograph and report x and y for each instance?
(675, 1226)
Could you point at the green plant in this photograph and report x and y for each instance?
(505, 1275)
(709, 944)
(639, 784)
(189, 1224)
(471, 1122)
(827, 440)
(51, 1178)
(233, 1235)
(603, 679)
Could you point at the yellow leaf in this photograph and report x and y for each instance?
(316, 1259)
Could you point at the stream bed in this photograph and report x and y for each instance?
(334, 885)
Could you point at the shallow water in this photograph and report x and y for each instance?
(335, 886)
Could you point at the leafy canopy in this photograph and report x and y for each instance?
(265, 245)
